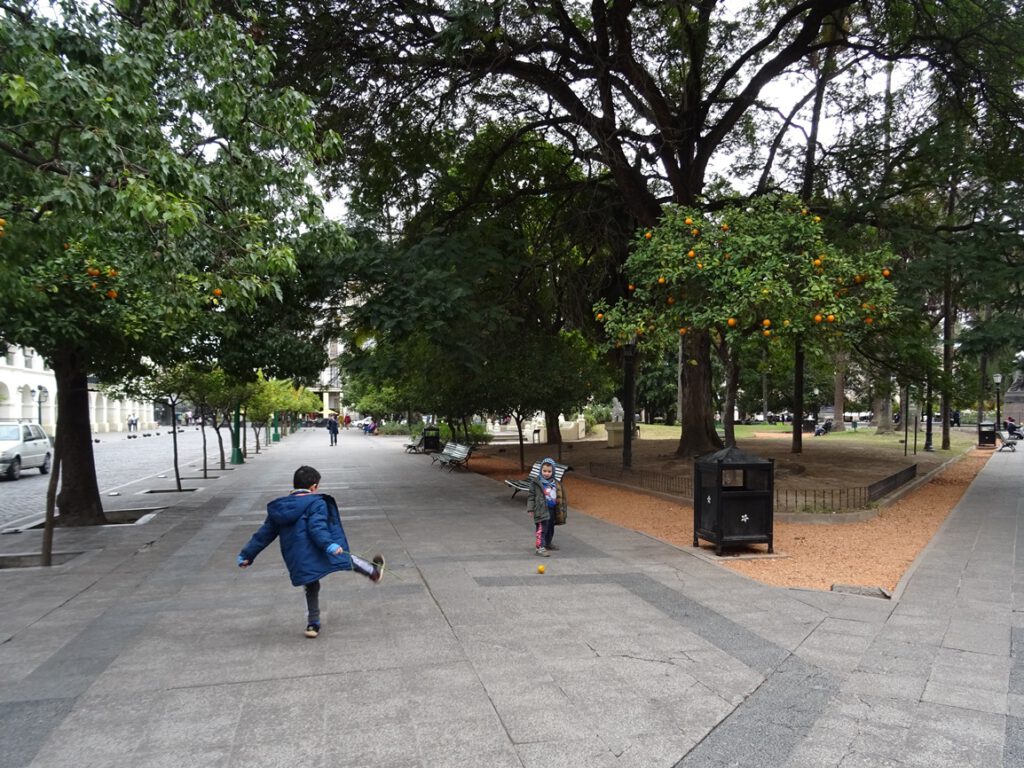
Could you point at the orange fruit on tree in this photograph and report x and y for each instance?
(886, 272)
(817, 262)
(817, 219)
(111, 272)
(785, 323)
(111, 294)
(766, 323)
(831, 318)
(93, 286)
(92, 271)
(218, 292)
(725, 227)
(699, 265)
(648, 235)
(600, 315)
(694, 232)
(818, 318)
(661, 281)
(869, 320)
(767, 332)
(671, 300)
(682, 331)
(731, 322)
(691, 254)
(688, 221)
(858, 278)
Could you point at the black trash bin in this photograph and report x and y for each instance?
(808, 425)
(987, 433)
(733, 498)
(431, 439)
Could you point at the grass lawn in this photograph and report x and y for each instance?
(961, 439)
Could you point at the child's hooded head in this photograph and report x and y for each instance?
(547, 469)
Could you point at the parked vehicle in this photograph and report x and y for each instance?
(23, 446)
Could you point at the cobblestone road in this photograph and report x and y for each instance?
(120, 463)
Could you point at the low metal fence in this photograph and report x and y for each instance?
(647, 479)
(792, 499)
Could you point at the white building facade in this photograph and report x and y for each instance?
(28, 391)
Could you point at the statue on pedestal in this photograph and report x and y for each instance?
(617, 412)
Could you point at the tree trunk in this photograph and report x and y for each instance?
(948, 319)
(732, 383)
(554, 427)
(174, 442)
(698, 435)
(519, 419)
(883, 408)
(79, 498)
(51, 502)
(842, 361)
(202, 431)
(798, 396)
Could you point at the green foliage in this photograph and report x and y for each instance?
(137, 201)
(764, 270)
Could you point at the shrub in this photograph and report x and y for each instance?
(596, 413)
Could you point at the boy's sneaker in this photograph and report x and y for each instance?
(378, 568)
(542, 552)
(312, 630)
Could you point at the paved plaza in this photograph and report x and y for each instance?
(151, 648)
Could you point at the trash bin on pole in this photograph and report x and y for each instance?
(987, 433)
(733, 499)
(431, 439)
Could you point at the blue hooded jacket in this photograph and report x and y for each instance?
(307, 524)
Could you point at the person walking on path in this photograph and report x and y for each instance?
(545, 501)
(332, 428)
(313, 541)
(348, 420)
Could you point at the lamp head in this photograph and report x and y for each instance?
(997, 378)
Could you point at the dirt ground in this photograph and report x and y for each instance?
(872, 553)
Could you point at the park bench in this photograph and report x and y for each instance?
(457, 456)
(414, 446)
(445, 452)
(1007, 441)
(524, 485)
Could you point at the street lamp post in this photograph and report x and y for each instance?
(629, 405)
(998, 379)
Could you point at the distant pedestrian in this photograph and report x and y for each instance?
(313, 541)
(546, 501)
(332, 428)
(348, 421)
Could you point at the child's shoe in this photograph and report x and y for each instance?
(542, 552)
(378, 568)
(312, 630)
(552, 547)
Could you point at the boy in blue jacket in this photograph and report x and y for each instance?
(313, 542)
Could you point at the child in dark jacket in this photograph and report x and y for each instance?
(313, 541)
(543, 500)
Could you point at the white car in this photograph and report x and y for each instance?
(23, 446)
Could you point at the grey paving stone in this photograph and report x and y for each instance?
(155, 646)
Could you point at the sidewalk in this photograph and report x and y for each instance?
(153, 649)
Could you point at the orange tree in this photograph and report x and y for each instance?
(761, 271)
(151, 176)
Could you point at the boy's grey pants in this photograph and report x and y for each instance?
(313, 589)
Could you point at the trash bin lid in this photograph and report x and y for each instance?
(731, 455)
